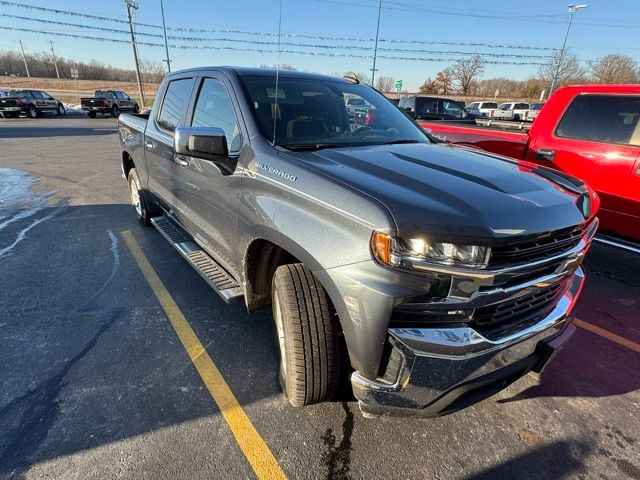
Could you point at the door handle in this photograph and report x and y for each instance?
(180, 160)
(149, 145)
(545, 154)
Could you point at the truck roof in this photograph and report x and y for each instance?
(263, 72)
(610, 88)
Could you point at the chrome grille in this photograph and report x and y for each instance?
(538, 248)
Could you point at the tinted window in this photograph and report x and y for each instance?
(602, 118)
(489, 105)
(451, 108)
(536, 106)
(214, 109)
(474, 105)
(312, 113)
(38, 94)
(174, 103)
(427, 105)
(120, 96)
(521, 106)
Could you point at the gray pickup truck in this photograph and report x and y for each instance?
(432, 274)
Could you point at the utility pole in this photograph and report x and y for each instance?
(24, 59)
(166, 45)
(375, 49)
(572, 11)
(130, 4)
(55, 62)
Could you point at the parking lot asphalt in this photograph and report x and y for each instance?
(96, 383)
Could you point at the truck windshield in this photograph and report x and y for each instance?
(313, 114)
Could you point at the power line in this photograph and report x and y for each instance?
(257, 50)
(255, 33)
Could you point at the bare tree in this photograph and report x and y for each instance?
(614, 68)
(385, 84)
(443, 81)
(467, 71)
(570, 71)
(429, 86)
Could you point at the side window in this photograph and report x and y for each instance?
(214, 109)
(120, 96)
(602, 118)
(174, 103)
(38, 94)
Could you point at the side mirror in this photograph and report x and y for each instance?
(208, 143)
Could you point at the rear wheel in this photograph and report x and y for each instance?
(60, 110)
(137, 198)
(115, 111)
(92, 114)
(516, 118)
(32, 111)
(307, 335)
(136, 108)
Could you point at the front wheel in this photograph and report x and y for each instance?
(33, 112)
(307, 334)
(92, 114)
(60, 110)
(115, 111)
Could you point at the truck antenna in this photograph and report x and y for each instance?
(275, 105)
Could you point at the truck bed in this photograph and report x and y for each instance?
(511, 143)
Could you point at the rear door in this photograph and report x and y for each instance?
(210, 193)
(164, 181)
(597, 139)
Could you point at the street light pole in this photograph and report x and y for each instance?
(572, 11)
(131, 4)
(375, 49)
(166, 45)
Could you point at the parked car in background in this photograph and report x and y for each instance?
(434, 108)
(109, 102)
(33, 103)
(589, 131)
(534, 109)
(511, 111)
(358, 110)
(482, 109)
(429, 275)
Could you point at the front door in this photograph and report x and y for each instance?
(597, 140)
(210, 191)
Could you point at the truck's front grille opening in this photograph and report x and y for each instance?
(492, 320)
(538, 248)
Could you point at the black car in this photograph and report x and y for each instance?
(435, 108)
(31, 102)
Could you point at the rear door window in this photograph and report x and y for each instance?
(214, 109)
(174, 103)
(602, 118)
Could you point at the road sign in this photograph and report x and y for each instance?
(74, 72)
(398, 84)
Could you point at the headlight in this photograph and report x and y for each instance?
(392, 251)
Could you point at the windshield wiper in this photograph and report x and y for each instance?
(299, 147)
(399, 142)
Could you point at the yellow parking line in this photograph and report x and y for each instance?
(607, 334)
(253, 446)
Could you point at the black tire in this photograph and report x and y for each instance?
(516, 118)
(32, 111)
(92, 114)
(115, 111)
(60, 110)
(138, 200)
(307, 336)
(136, 108)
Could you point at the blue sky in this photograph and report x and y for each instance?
(604, 27)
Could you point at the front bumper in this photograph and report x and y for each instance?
(442, 370)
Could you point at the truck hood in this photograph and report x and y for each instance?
(450, 192)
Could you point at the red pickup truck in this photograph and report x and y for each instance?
(589, 131)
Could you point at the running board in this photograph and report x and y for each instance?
(207, 267)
